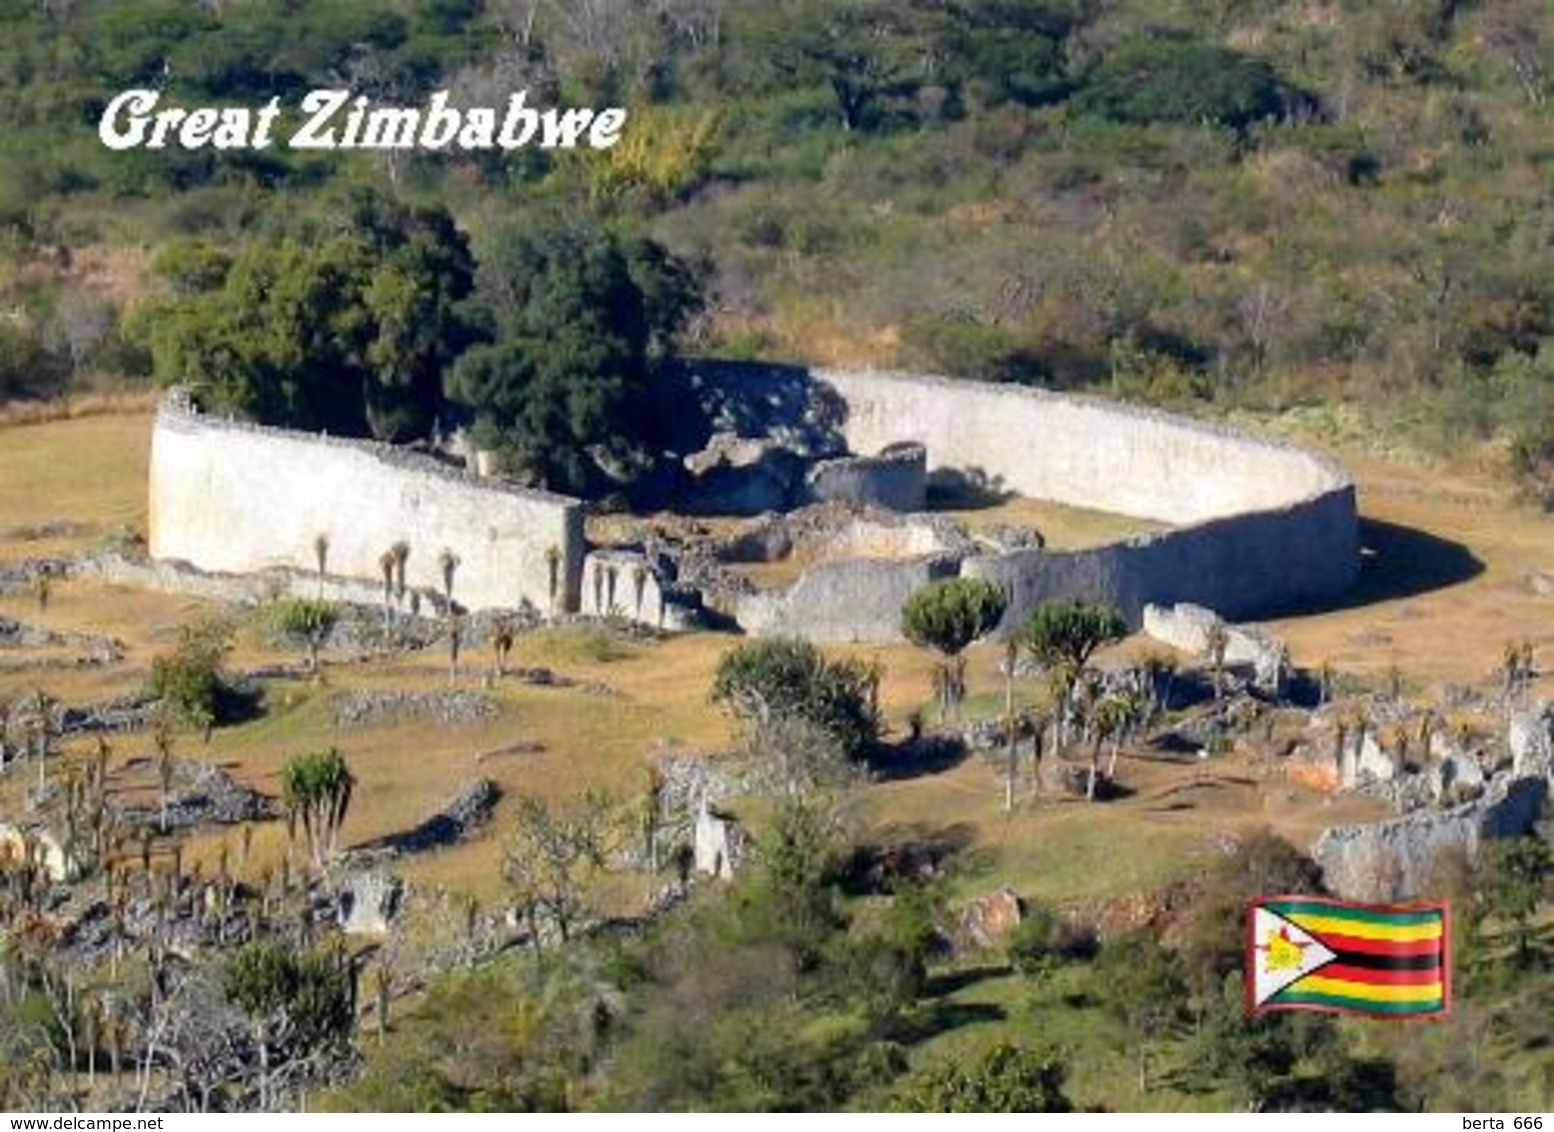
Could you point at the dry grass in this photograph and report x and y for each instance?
(633, 697)
(1063, 527)
(88, 469)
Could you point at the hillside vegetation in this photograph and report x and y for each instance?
(1244, 202)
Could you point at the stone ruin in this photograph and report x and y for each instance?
(1253, 526)
(1451, 797)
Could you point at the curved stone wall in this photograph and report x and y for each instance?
(235, 497)
(1259, 527)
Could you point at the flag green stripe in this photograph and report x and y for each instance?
(1376, 1006)
(1340, 912)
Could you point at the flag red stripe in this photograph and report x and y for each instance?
(1371, 975)
(1380, 946)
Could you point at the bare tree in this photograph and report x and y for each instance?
(555, 851)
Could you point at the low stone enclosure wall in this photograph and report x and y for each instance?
(227, 496)
(1258, 527)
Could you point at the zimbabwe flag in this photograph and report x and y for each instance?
(1311, 953)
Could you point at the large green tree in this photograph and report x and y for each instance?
(345, 325)
(572, 318)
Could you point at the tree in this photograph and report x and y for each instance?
(502, 638)
(190, 680)
(321, 558)
(553, 854)
(308, 622)
(1005, 1078)
(1063, 634)
(1145, 988)
(1171, 79)
(860, 52)
(316, 789)
(1515, 877)
(947, 616)
(447, 566)
(345, 327)
(573, 318)
(298, 1005)
(787, 677)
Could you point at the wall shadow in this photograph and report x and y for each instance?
(1400, 561)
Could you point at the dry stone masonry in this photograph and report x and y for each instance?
(240, 498)
(1255, 527)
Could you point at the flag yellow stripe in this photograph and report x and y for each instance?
(1401, 933)
(1378, 992)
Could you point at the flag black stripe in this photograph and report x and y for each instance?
(1389, 962)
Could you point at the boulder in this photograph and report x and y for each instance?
(1530, 738)
(62, 863)
(737, 475)
(369, 902)
(1455, 775)
(1189, 627)
(988, 920)
(719, 842)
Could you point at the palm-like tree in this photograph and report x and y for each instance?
(401, 552)
(553, 566)
(321, 558)
(316, 790)
(502, 638)
(386, 563)
(639, 576)
(1217, 643)
(1061, 636)
(163, 741)
(448, 565)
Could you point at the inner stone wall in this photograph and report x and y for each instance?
(1258, 527)
(234, 497)
(1082, 451)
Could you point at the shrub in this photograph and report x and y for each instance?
(305, 621)
(765, 680)
(1007, 1078)
(1532, 461)
(1043, 942)
(1159, 79)
(967, 347)
(190, 681)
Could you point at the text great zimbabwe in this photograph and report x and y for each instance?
(333, 119)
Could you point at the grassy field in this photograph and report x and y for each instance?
(1440, 598)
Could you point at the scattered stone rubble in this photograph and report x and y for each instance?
(1192, 628)
(1451, 798)
(454, 708)
(201, 795)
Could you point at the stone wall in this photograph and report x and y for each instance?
(896, 479)
(857, 599)
(1259, 527)
(239, 498)
(1394, 860)
(1082, 451)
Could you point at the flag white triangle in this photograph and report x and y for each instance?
(1281, 952)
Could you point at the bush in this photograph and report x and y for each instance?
(1149, 80)
(1007, 1078)
(190, 681)
(1532, 461)
(306, 996)
(967, 347)
(765, 680)
(1043, 942)
(305, 622)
